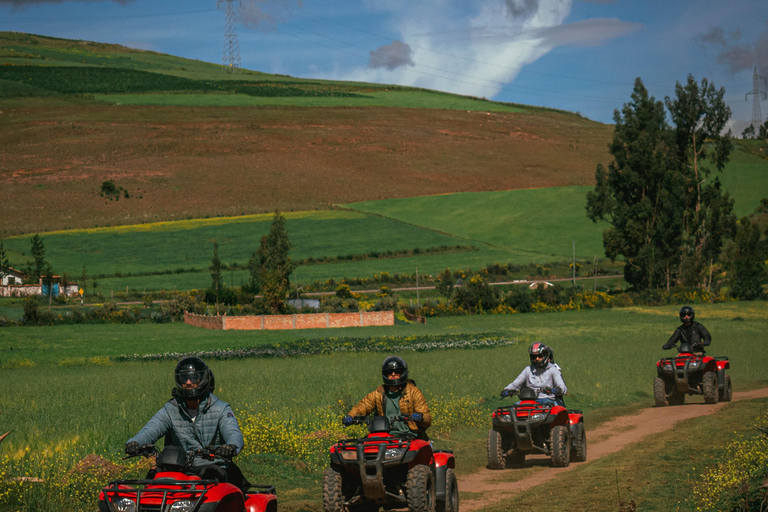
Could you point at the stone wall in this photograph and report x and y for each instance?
(299, 321)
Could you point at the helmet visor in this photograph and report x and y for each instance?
(193, 378)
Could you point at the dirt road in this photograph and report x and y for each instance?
(603, 440)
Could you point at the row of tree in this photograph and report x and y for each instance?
(669, 216)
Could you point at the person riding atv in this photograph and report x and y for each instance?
(195, 419)
(397, 397)
(543, 375)
(689, 332)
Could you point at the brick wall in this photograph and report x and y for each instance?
(301, 321)
(204, 321)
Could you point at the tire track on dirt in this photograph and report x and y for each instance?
(606, 439)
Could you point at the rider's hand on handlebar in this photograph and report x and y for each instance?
(417, 416)
(225, 451)
(348, 420)
(666, 347)
(132, 448)
(505, 393)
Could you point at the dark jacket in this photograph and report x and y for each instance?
(695, 334)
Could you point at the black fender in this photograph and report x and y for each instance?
(440, 482)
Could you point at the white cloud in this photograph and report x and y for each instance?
(478, 53)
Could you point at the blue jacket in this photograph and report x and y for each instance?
(215, 424)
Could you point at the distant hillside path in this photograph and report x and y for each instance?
(604, 440)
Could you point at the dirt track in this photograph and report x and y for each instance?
(604, 440)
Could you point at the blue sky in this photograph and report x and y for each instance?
(576, 55)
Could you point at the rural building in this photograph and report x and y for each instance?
(11, 286)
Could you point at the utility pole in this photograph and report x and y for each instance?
(418, 303)
(573, 264)
(756, 92)
(231, 57)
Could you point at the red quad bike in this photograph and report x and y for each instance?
(691, 374)
(173, 490)
(529, 427)
(388, 471)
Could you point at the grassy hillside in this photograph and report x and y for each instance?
(187, 140)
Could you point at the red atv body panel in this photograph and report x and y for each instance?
(213, 496)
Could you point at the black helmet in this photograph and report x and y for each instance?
(539, 349)
(394, 364)
(686, 311)
(195, 370)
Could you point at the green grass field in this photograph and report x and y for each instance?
(184, 244)
(73, 409)
(545, 222)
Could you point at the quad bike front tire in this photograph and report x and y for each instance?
(495, 450)
(451, 502)
(561, 449)
(709, 387)
(664, 393)
(420, 489)
(333, 496)
(579, 444)
(727, 393)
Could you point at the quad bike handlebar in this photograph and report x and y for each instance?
(366, 420)
(145, 450)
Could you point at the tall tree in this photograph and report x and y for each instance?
(217, 283)
(637, 195)
(745, 261)
(271, 266)
(4, 263)
(700, 115)
(36, 267)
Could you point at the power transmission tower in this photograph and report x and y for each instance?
(757, 116)
(231, 58)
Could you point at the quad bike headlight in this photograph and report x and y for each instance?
(694, 365)
(182, 506)
(393, 453)
(667, 368)
(348, 454)
(124, 505)
(538, 417)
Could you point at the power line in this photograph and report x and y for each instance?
(101, 18)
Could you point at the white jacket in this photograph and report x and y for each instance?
(547, 377)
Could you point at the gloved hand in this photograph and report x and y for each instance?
(417, 416)
(666, 347)
(556, 391)
(132, 448)
(348, 420)
(225, 451)
(504, 393)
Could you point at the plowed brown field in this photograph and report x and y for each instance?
(182, 162)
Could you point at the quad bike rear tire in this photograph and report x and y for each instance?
(561, 446)
(516, 460)
(333, 497)
(495, 450)
(709, 387)
(579, 444)
(420, 489)
(451, 502)
(727, 393)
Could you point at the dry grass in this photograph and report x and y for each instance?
(187, 162)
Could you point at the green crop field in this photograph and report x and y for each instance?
(545, 222)
(189, 244)
(69, 399)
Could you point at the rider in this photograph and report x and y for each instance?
(689, 332)
(193, 419)
(543, 374)
(399, 396)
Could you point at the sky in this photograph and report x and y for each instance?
(577, 55)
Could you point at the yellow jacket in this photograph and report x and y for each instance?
(412, 400)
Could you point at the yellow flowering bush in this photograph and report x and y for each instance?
(746, 457)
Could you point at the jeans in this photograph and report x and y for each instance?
(548, 401)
